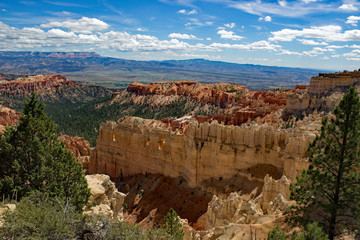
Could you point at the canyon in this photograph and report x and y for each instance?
(247, 165)
(221, 155)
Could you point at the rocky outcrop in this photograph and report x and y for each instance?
(275, 195)
(105, 198)
(326, 83)
(323, 94)
(250, 208)
(201, 152)
(8, 117)
(244, 216)
(233, 231)
(79, 147)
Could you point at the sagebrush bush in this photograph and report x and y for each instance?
(42, 217)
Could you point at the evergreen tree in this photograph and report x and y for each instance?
(329, 191)
(311, 232)
(33, 159)
(172, 225)
(276, 234)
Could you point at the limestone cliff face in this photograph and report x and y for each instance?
(201, 152)
(323, 94)
(325, 83)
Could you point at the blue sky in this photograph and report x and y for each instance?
(302, 33)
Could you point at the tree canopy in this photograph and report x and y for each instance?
(33, 159)
(329, 191)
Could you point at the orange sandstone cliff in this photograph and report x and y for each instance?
(26, 85)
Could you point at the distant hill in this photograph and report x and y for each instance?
(119, 73)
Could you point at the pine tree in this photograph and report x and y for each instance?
(329, 191)
(172, 225)
(311, 232)
(276, 234)
(33, 159)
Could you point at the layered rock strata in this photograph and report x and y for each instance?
(323, 94)
(199, 152)
(326, 83)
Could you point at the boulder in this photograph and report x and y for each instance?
(105, 198)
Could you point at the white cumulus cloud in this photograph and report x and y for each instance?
(311, 42)
(229, 35)
(182, 36)
(353, 20)
(266, 19)
(83, 25)
(259, 45)
(329, 33)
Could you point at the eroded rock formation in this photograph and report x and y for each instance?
(105, 198)
(201, 152)
(330, 82)
(228, 103)
(323, 94)
(79, 147)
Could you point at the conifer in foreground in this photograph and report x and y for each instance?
(329, 191)
(33, 159)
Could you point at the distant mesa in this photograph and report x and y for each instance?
(50, 89)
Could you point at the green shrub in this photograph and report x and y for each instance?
(311, 232)
(276, 234)
(41, 217)
(158, 234)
